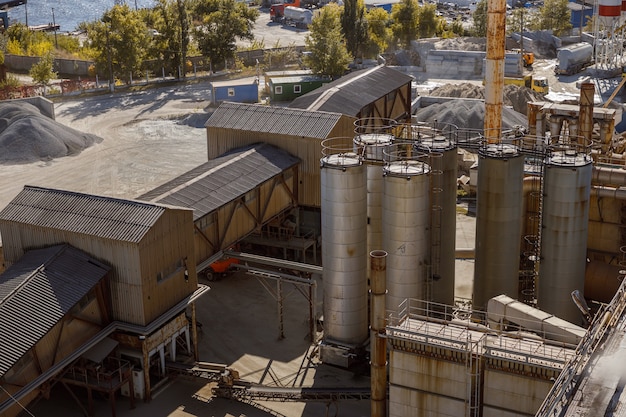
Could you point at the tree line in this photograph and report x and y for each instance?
(123, 39)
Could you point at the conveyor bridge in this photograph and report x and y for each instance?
(230, 386)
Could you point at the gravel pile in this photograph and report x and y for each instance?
(467, 114)
(28, 136)
(514, 95)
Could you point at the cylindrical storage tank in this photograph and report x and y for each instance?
(344, 247)
(499, 209)
(567, 185)
(444, 216)
(406, 229)
(371, 146)
(609, 9)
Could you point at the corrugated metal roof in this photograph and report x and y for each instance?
(37, 291)
(350, 93)
(219, 181)
(104, 217)
(270, 119)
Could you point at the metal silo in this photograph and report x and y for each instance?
(567, 185)
(443, 211)
(498, 222)
(406, 227)
(371, 146)
(344, 243)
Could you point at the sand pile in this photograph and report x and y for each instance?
(28, 136)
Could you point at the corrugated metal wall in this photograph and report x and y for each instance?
(168, 241)
(168, 250)
(224, 226)
(309, 150)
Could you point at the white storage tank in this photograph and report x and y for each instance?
(406, 228)
(344, 243)
(565, 219)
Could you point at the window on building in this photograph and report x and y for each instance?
(297, 89)
(231, 92)
(278, 89)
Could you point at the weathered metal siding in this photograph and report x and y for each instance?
(309, 150)
(507, 394)
(224, 227)
(605, 225)
(125, 285)
(421, 385)
(392, 106)
(164, 254)
(564, 234)
(498, 225)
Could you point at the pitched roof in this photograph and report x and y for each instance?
(37, 291)
(104, 217)
(272, 119)
(219, 181)
(350, 93)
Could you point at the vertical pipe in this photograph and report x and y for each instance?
(494, 69)
(587, 91)
(378, 272)
(194, 332)
(532, 110)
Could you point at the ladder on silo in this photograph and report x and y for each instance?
(473, 380)
(531, 246)
(436, 188)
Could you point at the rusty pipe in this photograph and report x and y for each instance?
(608, 176)
(494, 69)
(378, 348)
(587, 91)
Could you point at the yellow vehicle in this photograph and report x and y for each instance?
(538, 84)
(528, 58)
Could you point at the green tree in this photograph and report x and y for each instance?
(480, 19)
(555, 15)
(329, 55)
(223, 22)
(354, 26)
(120, 40)
(171, 42)
(405, 26)
(42, 72)
(378, 31)
(428, 21)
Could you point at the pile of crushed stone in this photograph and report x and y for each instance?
(467, 114)
(514, 95)
(27, 136)
(462, 44)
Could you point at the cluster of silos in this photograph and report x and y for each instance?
(344, 242)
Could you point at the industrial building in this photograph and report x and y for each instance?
(89, 275)
(379, 194)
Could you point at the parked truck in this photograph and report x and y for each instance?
(574, 58)
(298, 17)
(277, 9)
(538, 84)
